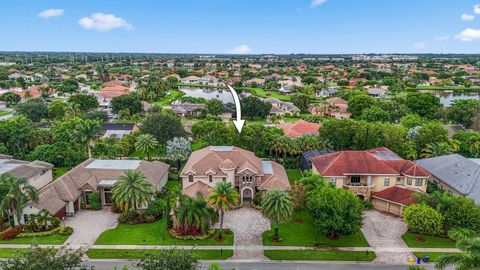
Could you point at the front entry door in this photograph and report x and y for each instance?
(107, 196)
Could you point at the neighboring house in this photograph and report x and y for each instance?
(64, 196)
(333, 107)
(306, 158)
(191, 79)
(118, 130)
(255, 82)
(327, 92)
(299, 128)
(282, 107)
(38, 173)
(455, 173)
(187, 109)
(377, 92)
(368, 174)
(248, 173)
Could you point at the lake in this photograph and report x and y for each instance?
(210, 93)
(447, 97)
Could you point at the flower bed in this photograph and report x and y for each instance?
(176, 235)
(59, 230)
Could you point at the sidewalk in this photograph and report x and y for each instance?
(242, 248)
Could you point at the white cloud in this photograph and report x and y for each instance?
(420, 45)
(442, 38)
(316, 3)
(469, 34)
(104, 22)
(242, 49)
(467, 17)
(50, 13)
(476, 9)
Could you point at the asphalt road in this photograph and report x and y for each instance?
(109, 265)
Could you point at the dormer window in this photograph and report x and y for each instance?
(210, 178)
(190, 178)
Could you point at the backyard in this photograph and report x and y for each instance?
(294, 175)
(300, 232)
(153, 234)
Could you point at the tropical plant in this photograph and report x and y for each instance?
(469, 258)
(422, 219)
(278, 207)
(146, 143)
(178, 148)
(194, 216)
(85, 133)
(223, 198)
(131, 190)
(436, 149)
(16, 193)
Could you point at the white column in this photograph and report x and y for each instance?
(369, 180)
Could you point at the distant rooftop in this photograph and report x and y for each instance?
(4, 168)
(114, 164)
(221, 148)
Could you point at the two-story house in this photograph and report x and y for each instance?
(379, 175)
(248, 173)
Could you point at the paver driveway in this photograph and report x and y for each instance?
(385, 231)
(88, 225)
(248, 225)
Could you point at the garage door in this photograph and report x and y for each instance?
(379, 204)
(395, 209)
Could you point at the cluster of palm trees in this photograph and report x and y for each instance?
(282, 145)
(15, 192)
(132, 190)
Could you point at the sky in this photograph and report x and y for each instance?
(241, 26)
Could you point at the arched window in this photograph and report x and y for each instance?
(190, 178)
(210, 178)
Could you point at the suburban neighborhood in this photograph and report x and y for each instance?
(127, 158)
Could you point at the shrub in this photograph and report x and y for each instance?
(464, 213)
(422, 219)
(131, 217)
(150, 218)
(297, 193)
(169, 259)
(155, 208)
(182, 234)
(257, 199)
(116, 209)
(367, 204)
(60, 231)
(10, 233)
(95, 202)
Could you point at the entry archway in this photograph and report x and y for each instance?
(247, 194)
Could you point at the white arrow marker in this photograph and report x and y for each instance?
(239, 122)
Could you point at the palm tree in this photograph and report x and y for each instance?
(278, 207)
(436, 149)
(469, 258)
(17, 192)
(132, 189)
(195, 213)
(86, 132)
(223, 198)
(146, 143)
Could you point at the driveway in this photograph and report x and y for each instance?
(385, 231)
(248, 225)
(88, 225)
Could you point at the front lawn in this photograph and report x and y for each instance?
(433, 255)
(319, 255)
(153, 234)
(55, 239)
(296, 233)
(294, 175)
(8, 252)
(131, 254)
(430, 241)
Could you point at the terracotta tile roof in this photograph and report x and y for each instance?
(398, 194)
(375, 161)
(299, 128)
(48, 199)
(196, 187)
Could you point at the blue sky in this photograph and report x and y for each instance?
(242, 26)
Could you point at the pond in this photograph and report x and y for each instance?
(447, 97)
(210, 93)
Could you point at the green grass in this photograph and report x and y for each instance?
(199, 144)
(319, 255)
(45, 240)
(170, 184)
(260, 92)
(131, 254)
(171, 97)
(433, 255)
(302, 234)
(3, 113)
(153, 234)
(443, 88)
(59, 171)
(11, 252)
(430, 241)
(294, 175)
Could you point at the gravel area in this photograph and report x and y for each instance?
(385, 231)
(88, 225)
(248, 225)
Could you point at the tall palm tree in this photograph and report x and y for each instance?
(195, 213)
(146, 143)
(223, 198)
(469, 258)
(86, 132)
(16, 193)
(132, 189)
(436, 149)
(278, 207)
